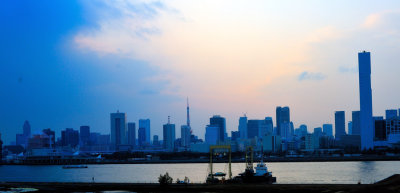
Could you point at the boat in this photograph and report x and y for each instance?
(260, 175)
(74, 166)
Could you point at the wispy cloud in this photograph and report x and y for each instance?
(346, 69)
(311, 76)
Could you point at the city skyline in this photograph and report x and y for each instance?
(67, 77)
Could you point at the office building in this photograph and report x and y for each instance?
(212, 133)
(340, 124)
(235, 135)
(84, 135)
(185, 136)
(220, 122)
(380, 130)
(355, 119)
(142, 137)
(169, 136)
(70, 137)
(328, 129)
(156, 141)
(391, 113)
(27, 129)
(271, 143)
(318, 131)
(243, 127)
(145, 123)
(118, 129)
(366, 122)
(132, 134)
(269, 125)
(282, 116)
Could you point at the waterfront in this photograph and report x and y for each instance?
(286, 173)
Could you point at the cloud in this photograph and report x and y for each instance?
(346, 69)
(310, 76)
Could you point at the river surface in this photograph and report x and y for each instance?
(286, 172)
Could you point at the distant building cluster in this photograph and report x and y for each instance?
(364, 132)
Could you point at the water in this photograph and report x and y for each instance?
(286, 173)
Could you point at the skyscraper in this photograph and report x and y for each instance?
(355, 119)
(142, 137)
(70, 137)
(366, 122)
(211, 136)
(118, 129)
(243, 127)
(27, 129)
(169, 136)
(219, 122)
(328, 129)
(270, 125)
(282, 116)
(84, 135)
(340, 124)
(132, 134)
(145, 123)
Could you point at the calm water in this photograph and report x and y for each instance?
(295, 172)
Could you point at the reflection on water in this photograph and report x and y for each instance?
(286, 173)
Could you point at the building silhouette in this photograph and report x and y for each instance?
(169, 136)
(142, 137)
(243, 127)
(220, 122)
(340, 124)
(366, 122)
(282, 116)
(328, 129)
(145, 124)
(118, 129)
(84, 135)
(70, 137)
(355, 119)
(132, 134)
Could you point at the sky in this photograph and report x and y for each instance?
(70, 63)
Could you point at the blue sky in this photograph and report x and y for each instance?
(71, 63)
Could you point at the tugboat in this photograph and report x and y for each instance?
(261, 175)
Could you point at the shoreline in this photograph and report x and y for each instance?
(184, 161)
(390, 184)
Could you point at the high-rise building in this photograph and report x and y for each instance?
(391, 113)
(118, 129)
(132, 134)
(235, 135)
(303, 130)
(253, 127)
(270, 125)
(350, 127)
(212, 133)
(145, 123)
(219, 122)
(70, 137)
(355, 116)
(142, 137)
(169, 136)
(282, 116)
(27, 129)
(156, 142)
(84, 135)
(185, 136)
(380, 129)
(243, 127)
(328, 129)
(318, 131)
(340, 124)
(366, 122)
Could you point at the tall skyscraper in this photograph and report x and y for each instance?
(270, 125)
(366, 122)
(212, 133)
(132, 134)
(169, 136)
(27, 129)
(355, 119)
(253, 128)
(282, 116)
(220, 122)
(145, 123)
(328, 129)
(142, 137)
(243, 127)
(118, 129)
(340, 124)
(84, 135)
